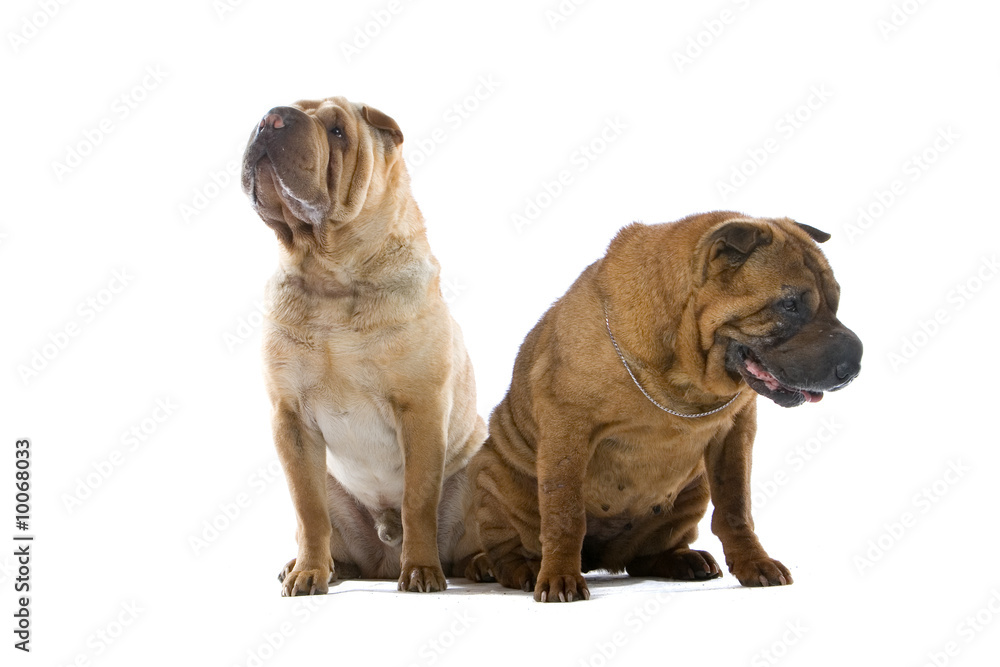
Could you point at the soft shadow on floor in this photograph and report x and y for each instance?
(600, 583)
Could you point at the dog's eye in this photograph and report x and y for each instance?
(790, 306)
(337, 132)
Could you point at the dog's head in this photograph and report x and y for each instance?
(768, 299)
(318, 163)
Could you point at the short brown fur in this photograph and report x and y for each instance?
(581, 471)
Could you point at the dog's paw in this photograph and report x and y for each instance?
(682, 564)
(561, 588)
(691, 564)
(517, 572)
(310, 581)
(761, 572)
(478, 569)
(422, 578)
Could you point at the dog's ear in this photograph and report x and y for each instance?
(734, 241)
(381, 121)
(727, 246)
(816, 235)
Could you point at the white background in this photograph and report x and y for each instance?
(154, 194)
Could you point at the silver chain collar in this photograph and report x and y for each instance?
(607, 321)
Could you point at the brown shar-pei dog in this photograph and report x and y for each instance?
(373, 395)
(583, 471)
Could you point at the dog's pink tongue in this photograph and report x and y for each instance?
(772, 383)
(762, 375)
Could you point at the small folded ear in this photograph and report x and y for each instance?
(737, 239)
(816, 235)
(381, 121)
(730, 244)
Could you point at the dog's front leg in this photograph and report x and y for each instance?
(728, 464)
(422, 437)
(563, 454)
(303, 457)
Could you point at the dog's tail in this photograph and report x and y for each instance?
(389, 526)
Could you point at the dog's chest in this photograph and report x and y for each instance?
(630, 477)
(342, 378)
(363, 452)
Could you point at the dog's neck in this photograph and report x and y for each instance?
(374, 271)
(662, 345)
(348, 250)
(625, 276)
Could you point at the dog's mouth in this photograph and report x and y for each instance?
(764, 382)
(254, 153)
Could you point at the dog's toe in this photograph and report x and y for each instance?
(309, 581)
(422, 579)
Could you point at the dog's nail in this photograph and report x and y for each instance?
(569, 596)
(763, 580)
(544, 596)
(586, 593)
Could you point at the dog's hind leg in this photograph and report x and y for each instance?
(508, 526)
(666, 553)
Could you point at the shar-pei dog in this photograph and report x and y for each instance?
(634, 401)
(373, 396)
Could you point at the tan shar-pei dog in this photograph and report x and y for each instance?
(634, 400)
(373, 395)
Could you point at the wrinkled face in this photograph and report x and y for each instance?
(770, 297)
(317, 162)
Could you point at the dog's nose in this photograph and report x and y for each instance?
(271, 120)
(849, 365)
(847, 370)
(277, 118)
